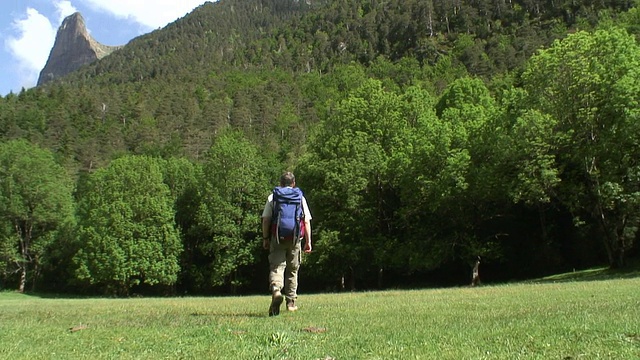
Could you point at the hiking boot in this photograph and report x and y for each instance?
(291, 305)
(276, 301)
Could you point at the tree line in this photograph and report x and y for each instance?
(535, 178)
(146, 172)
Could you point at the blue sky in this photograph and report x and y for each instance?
(28, 29)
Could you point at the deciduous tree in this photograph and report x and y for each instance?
(234, 190)
(35, 201)
(127, 231)
(350, 169)
(594, 98)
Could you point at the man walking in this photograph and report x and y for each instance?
(285, 222)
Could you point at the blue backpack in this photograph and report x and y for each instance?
(286, 220)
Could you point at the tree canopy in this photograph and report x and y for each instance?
(126, 233)
(423, 133)
(35, 202)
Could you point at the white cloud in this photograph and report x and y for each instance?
(152, 14)
(64, 9)
(33, 40)
(31, 46)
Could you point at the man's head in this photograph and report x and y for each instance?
(288, 179)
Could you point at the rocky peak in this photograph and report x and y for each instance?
(73, 48)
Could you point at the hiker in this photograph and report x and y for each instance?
(475, 274)
(285, 223)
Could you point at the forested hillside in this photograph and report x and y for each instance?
(423, 133)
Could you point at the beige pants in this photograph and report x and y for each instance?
(284, 261)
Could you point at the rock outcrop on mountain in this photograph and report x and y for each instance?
(73, 48)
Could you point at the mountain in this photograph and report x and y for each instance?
(73, 48)
(270, 69)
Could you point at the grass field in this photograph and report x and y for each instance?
(589, 319)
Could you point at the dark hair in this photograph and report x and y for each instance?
(287, 179)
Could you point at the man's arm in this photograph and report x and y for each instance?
(307, 225)
(307, 236)
(266, 232)
(266, 223)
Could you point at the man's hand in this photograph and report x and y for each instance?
(307, 246)
(265, 243)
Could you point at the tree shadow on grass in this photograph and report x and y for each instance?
(595, 274)
(49, 295)
(231, 315)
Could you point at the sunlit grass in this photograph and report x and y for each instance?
(568, 320)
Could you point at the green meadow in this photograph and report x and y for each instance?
(556, 318)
